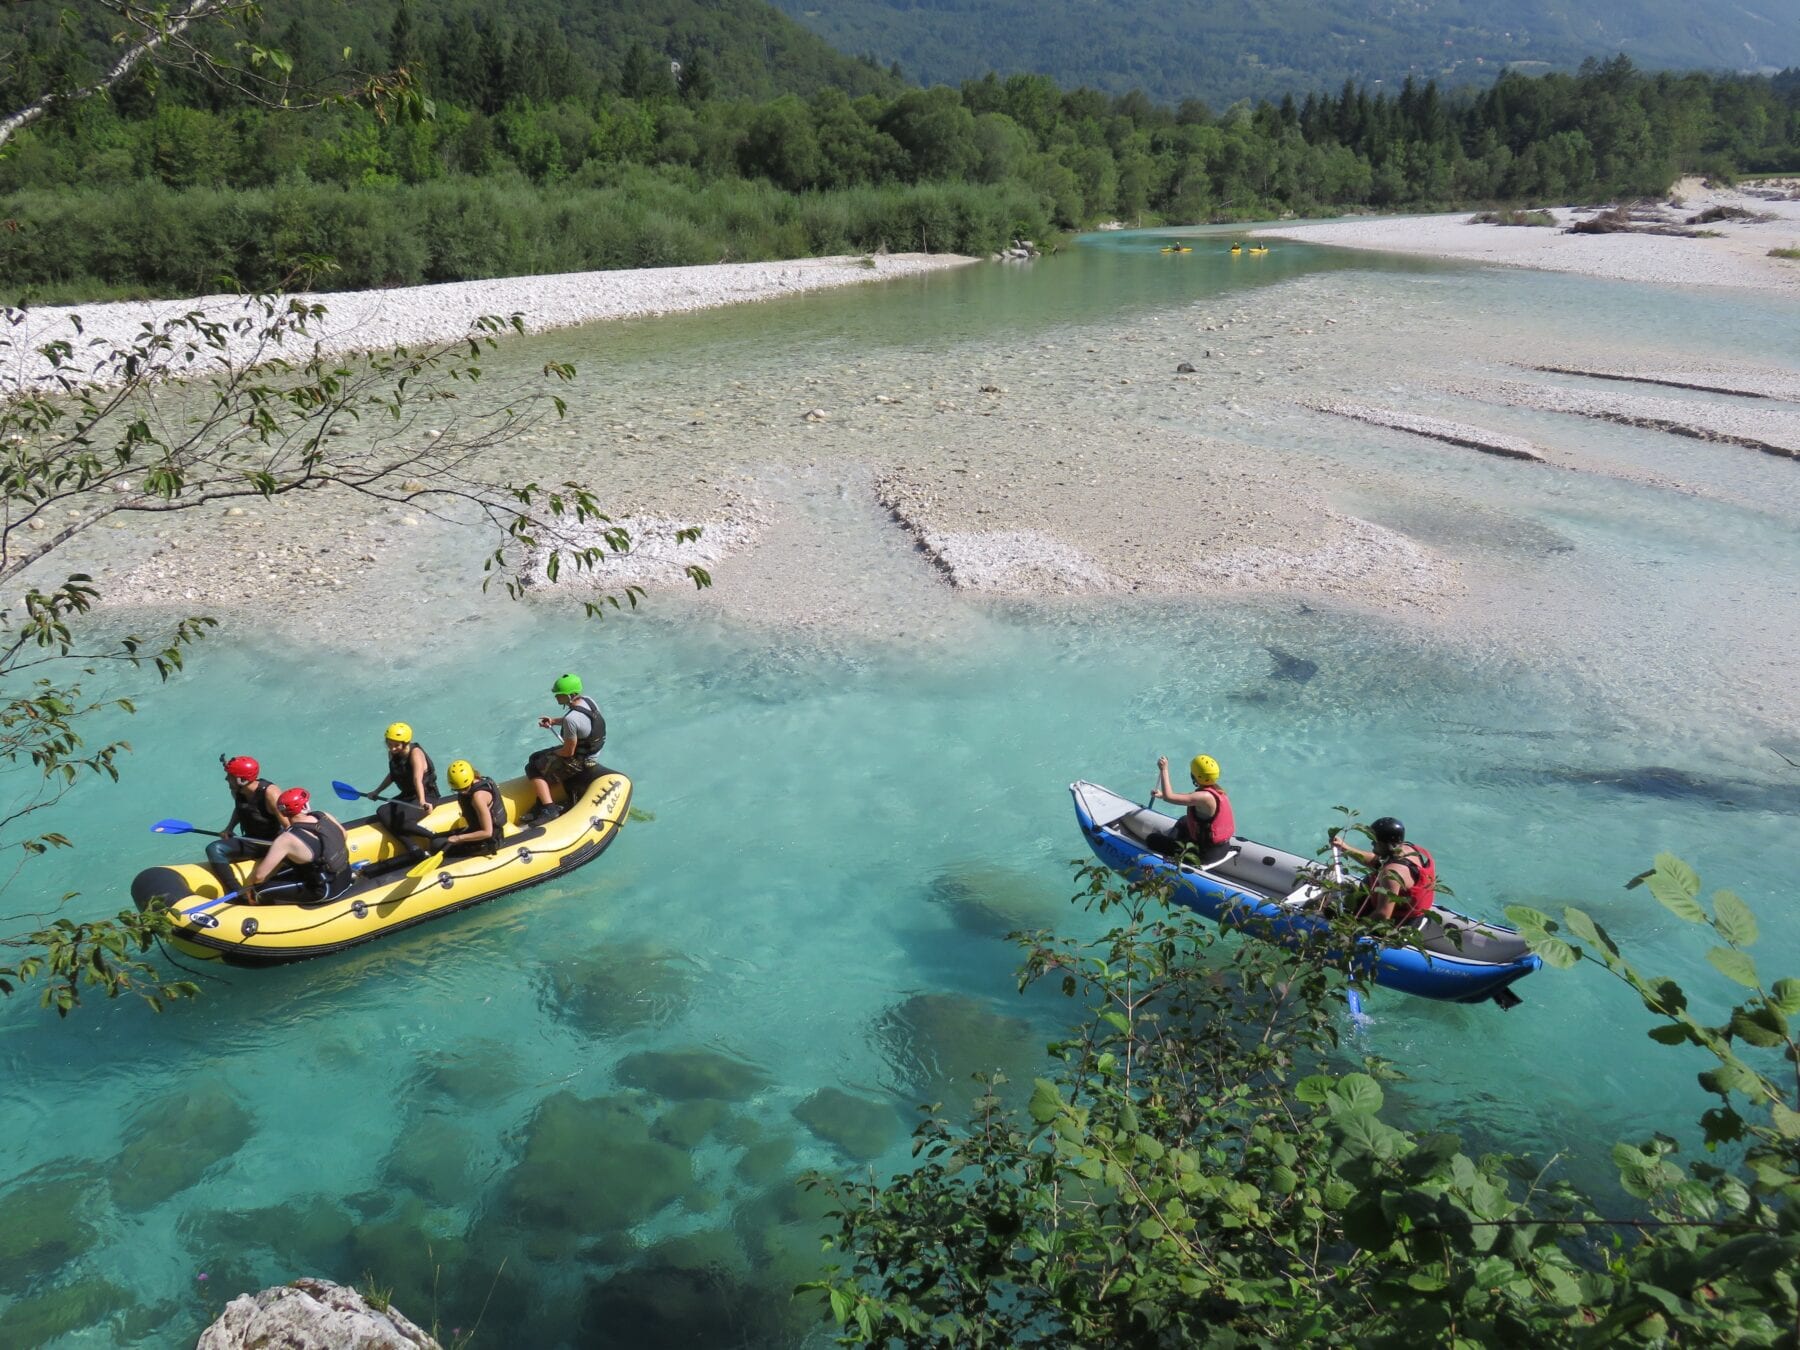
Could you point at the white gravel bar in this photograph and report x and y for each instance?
(407, 316)
(1738, 256)
(1435, 428)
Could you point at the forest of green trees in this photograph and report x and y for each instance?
(535, 160)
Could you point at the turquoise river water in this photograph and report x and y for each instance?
(582, 1108)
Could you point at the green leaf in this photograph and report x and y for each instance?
(1784, 996)
(1151, 1230)
(1314, 1090)
(1733, 919)
(1668, 865)
(1675, 898)
(1528, 920)
(1582, 926)
(1786, 1121)
(1732, 1076)
(1762, 1027)
(1671, 1033)
(1356, 1094)
(1556, 952)
(1734, 965)
(1046, 1104)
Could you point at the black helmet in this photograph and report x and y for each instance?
(1387, 831)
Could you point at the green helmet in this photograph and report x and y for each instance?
(567, 684)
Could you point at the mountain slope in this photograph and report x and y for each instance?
(1226, 49)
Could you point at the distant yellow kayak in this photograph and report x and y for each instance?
(1237, 248)
(1177, 248)
(1258, 250)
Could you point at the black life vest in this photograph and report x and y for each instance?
(328, 873)
(496, 810)
(589, 746)
(253, 817)
(400, 770)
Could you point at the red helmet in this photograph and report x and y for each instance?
(294, 801)
(243, 768)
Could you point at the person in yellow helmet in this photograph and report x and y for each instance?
(1203, 833)
(483, 808)
(411, 771)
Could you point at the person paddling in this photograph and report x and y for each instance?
(483, 813)
(1206, 828)
(411, 771)
(253, 799)
(312, 843)
(1403, 884)
(583, 733)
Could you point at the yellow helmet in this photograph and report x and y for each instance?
(461, 774)
(1204, 770)
(401, 732)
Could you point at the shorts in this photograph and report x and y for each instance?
(555, 768)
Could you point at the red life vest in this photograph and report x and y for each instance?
(1219, 829)
(1421, 894)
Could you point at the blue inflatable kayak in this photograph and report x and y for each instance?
(1275, 894)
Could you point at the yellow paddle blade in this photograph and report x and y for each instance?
(425, 866)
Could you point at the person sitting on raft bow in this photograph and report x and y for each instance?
(1403, 884)
(252, 811)
(1204, 833)
(583, 733)
(483, 808)
(313, 844)
(411, 771)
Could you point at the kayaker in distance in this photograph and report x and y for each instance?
(483, 812)
(1403, 884)
(1207, 827)
(583, 734)
(411, 771)
(312, 843)
(253, 800)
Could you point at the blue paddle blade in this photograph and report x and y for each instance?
(171, 827)
(344, 791)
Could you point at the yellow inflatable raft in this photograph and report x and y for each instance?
(383, 898)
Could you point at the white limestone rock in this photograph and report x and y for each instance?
(311, 1315)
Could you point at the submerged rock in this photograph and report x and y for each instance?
(431, 1158)
(174, 1141)
(410, 1252)
(78, 1306)
(859, 1127)
(937, 1042)
(765, 1159)
(311, 1315)
(46, 1226)
(1289, 667)
(473, 1074)
(686, 1123)
(996, 900)
(618, 987)
(305, 1235)
(592, 1164)
(683, 1074)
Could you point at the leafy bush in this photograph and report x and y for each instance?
(1200, 1170)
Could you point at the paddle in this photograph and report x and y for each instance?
(425, 866)
(346, 793)
(229, 896)
(1352, 995)
(182, 827)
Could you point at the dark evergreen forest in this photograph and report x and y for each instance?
(538, 158)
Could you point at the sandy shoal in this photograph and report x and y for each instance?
(1738, 257)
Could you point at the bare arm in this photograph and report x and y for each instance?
(482, 827)
(1200, 797)
(285, 849)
